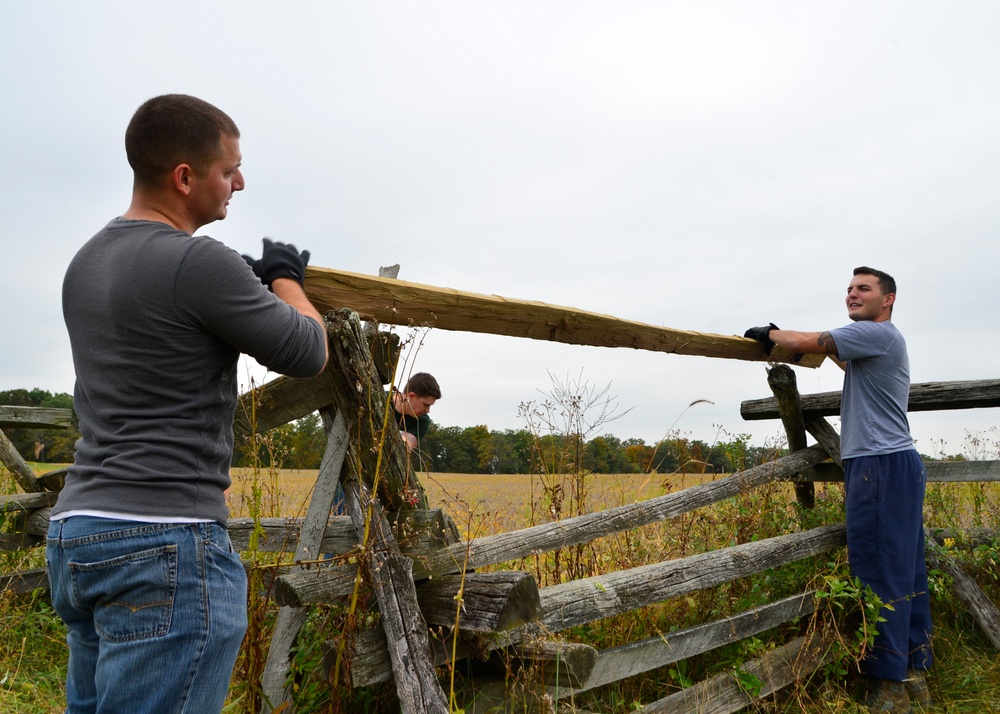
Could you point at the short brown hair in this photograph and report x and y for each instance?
(423, 385)
(174, 129)
(885, 281)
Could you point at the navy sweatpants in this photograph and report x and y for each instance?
(885, 549)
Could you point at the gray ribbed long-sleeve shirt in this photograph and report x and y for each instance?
(157, 320)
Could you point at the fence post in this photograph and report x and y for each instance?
(781, 379)
(291, 619)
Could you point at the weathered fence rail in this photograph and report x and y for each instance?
(422, 575)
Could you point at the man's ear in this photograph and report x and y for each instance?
(181, 177)
(888, 299)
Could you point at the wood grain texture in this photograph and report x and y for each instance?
(924, 397)
(589, 599)
(723, 694)
(983, 611)
(399, 302)
(781, 380)
(35, 417)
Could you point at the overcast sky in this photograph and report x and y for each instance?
(699, 165)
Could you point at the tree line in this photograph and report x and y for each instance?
(444, 449)
(448, 449)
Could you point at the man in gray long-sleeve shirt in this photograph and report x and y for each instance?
(141, 567)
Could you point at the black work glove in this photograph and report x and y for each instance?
(761, 335)
(255, 265)
(282, 260)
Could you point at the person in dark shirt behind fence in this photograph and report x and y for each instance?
(411, 407)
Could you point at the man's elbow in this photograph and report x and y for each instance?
(326, 360)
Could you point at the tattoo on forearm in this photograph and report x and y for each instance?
(825, 341)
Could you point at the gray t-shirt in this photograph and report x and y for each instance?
(876, 389)
(157, 320)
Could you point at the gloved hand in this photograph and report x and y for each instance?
(282, 260)
(761, 335)
(255, 265)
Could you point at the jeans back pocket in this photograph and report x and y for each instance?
(132, 595)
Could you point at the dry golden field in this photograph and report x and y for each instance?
(480, 504)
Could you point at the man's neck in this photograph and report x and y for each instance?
(150, 206)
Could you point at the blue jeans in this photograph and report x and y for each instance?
(885, 549)
(156, 614)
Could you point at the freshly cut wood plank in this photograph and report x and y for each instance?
(924, 397)
(399, 302)
(35, 417)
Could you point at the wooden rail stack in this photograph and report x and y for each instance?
(426, 582)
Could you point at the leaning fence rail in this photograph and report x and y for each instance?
(418, 566)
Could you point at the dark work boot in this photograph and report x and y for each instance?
(889, 696)
(916, 687)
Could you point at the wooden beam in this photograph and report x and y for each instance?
(502, 547)
(546, 663)
(325, 586)
(488, 602)
(962, 470)
(391, 578)
(781, 380)
(937, 472)
(290, 620)
(636, 658)
(280, 401)
(724, 693)
(416, 531)
(377, 454)
(827, 437)
(35, 417)
(25, 476)
(924, 397)
(984, 612)
(588, 599)
(24, 581)
(22, 502)
(399, 302)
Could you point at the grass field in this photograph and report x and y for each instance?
(479, 503)
(966, 678)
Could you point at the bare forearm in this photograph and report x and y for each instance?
(807, 342)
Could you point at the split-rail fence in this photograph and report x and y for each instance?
(426, 580)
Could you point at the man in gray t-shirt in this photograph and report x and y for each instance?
(884, 481)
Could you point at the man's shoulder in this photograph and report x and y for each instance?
(867, 338)
(866, 330)
(867, 326)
